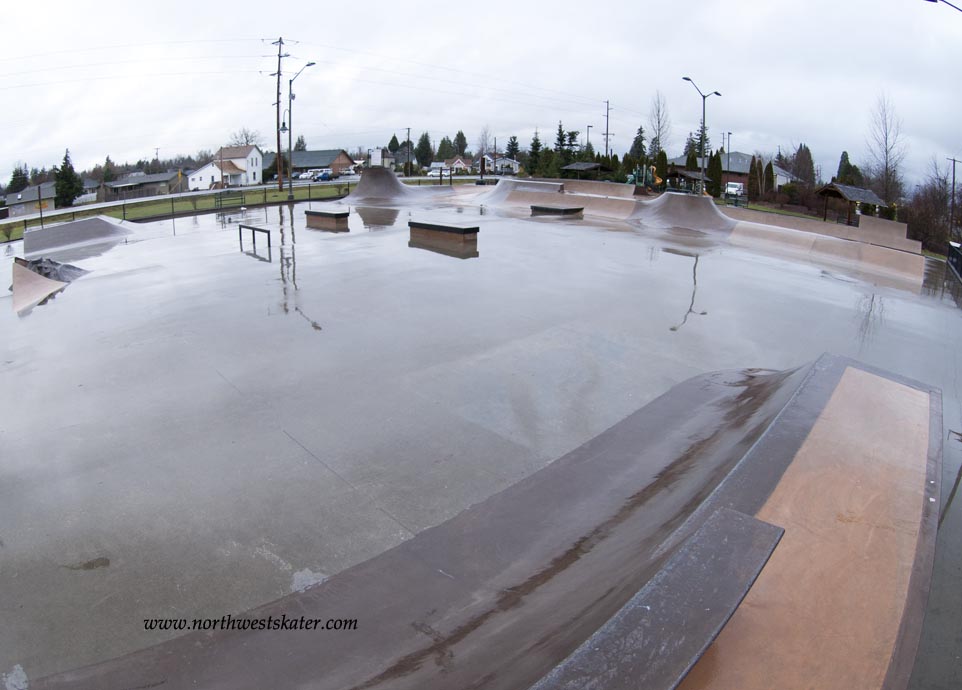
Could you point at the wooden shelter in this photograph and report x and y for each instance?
(853, 195)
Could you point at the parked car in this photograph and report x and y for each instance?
(305, 175)
(438, 172)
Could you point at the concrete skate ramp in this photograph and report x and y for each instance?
(380, 184)
(683, 211)
(885, 233)
(99, 230)
(615, 189)
(822, 248)
(499, 595)
(31, 289)
(505, 188)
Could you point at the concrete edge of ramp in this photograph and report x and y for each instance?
(681, 609)
(826, 249)
(31, 289)
(500, 594)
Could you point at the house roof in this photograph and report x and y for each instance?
(47, 191)
(736, 162)
(309, 159)
(465, 161)
(230, 167)
(135, 180)
(586, 166)
(849, 193)
(235, 151)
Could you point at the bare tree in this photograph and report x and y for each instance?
(659, 124)
(484, 141)
(245, 137)
(886, 151)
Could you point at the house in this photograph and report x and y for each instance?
(27, 201)
(234, 166)
(496, 164)
(404, 155)
(459, 164)
(381, 158)
(735, 167)
(337, 160)
(137, 185)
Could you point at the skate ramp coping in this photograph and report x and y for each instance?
(98, 230)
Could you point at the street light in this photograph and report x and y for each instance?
(290, 131)
(946, 3)
(704, 126)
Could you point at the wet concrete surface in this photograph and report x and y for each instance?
(222, 430)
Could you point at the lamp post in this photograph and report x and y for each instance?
(290, 131)
(588, 135)
(728, 150)
(704, 126)
(946, 3)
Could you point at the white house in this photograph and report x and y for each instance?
(496, 164)
(235, 166)
(459, 164)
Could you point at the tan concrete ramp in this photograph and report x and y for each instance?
(683, 211)
(822, 248)
(838, 605)
(380, 184)
(31, 289)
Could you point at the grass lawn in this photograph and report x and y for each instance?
(933, 255)
(160, 208)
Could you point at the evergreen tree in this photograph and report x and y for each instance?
(588, 153)
(691, 145)
(768, 183)
(300, 144)
(445, 149)
(394, 144)
(424, 151)
(637, 149)
(654, 147)
(691, 161)
(714, 186)
(68, 183)
(534, 155)
(109, 174)
(753, 191)
(848, 173)
(661, 164)
(803, 167)
(460, 143)
(703, 131)
(19, 179)
(560, 140)
(513, 148)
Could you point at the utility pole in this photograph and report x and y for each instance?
(607, 113)
(952, 212)
(407, 155)
(588, 135)
(280, 156)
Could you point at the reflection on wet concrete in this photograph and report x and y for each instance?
(870, 316)
(376, 218)
(591, 361)
(694, 287)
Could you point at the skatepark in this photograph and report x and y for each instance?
(638, 442)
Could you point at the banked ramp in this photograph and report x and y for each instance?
(570, 578)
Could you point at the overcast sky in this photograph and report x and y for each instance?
(125, 78)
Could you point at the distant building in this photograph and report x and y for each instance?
(337, 160)
(232, 166)
(137, 185)
(735, 167)
(27, 201)
(460, 164)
